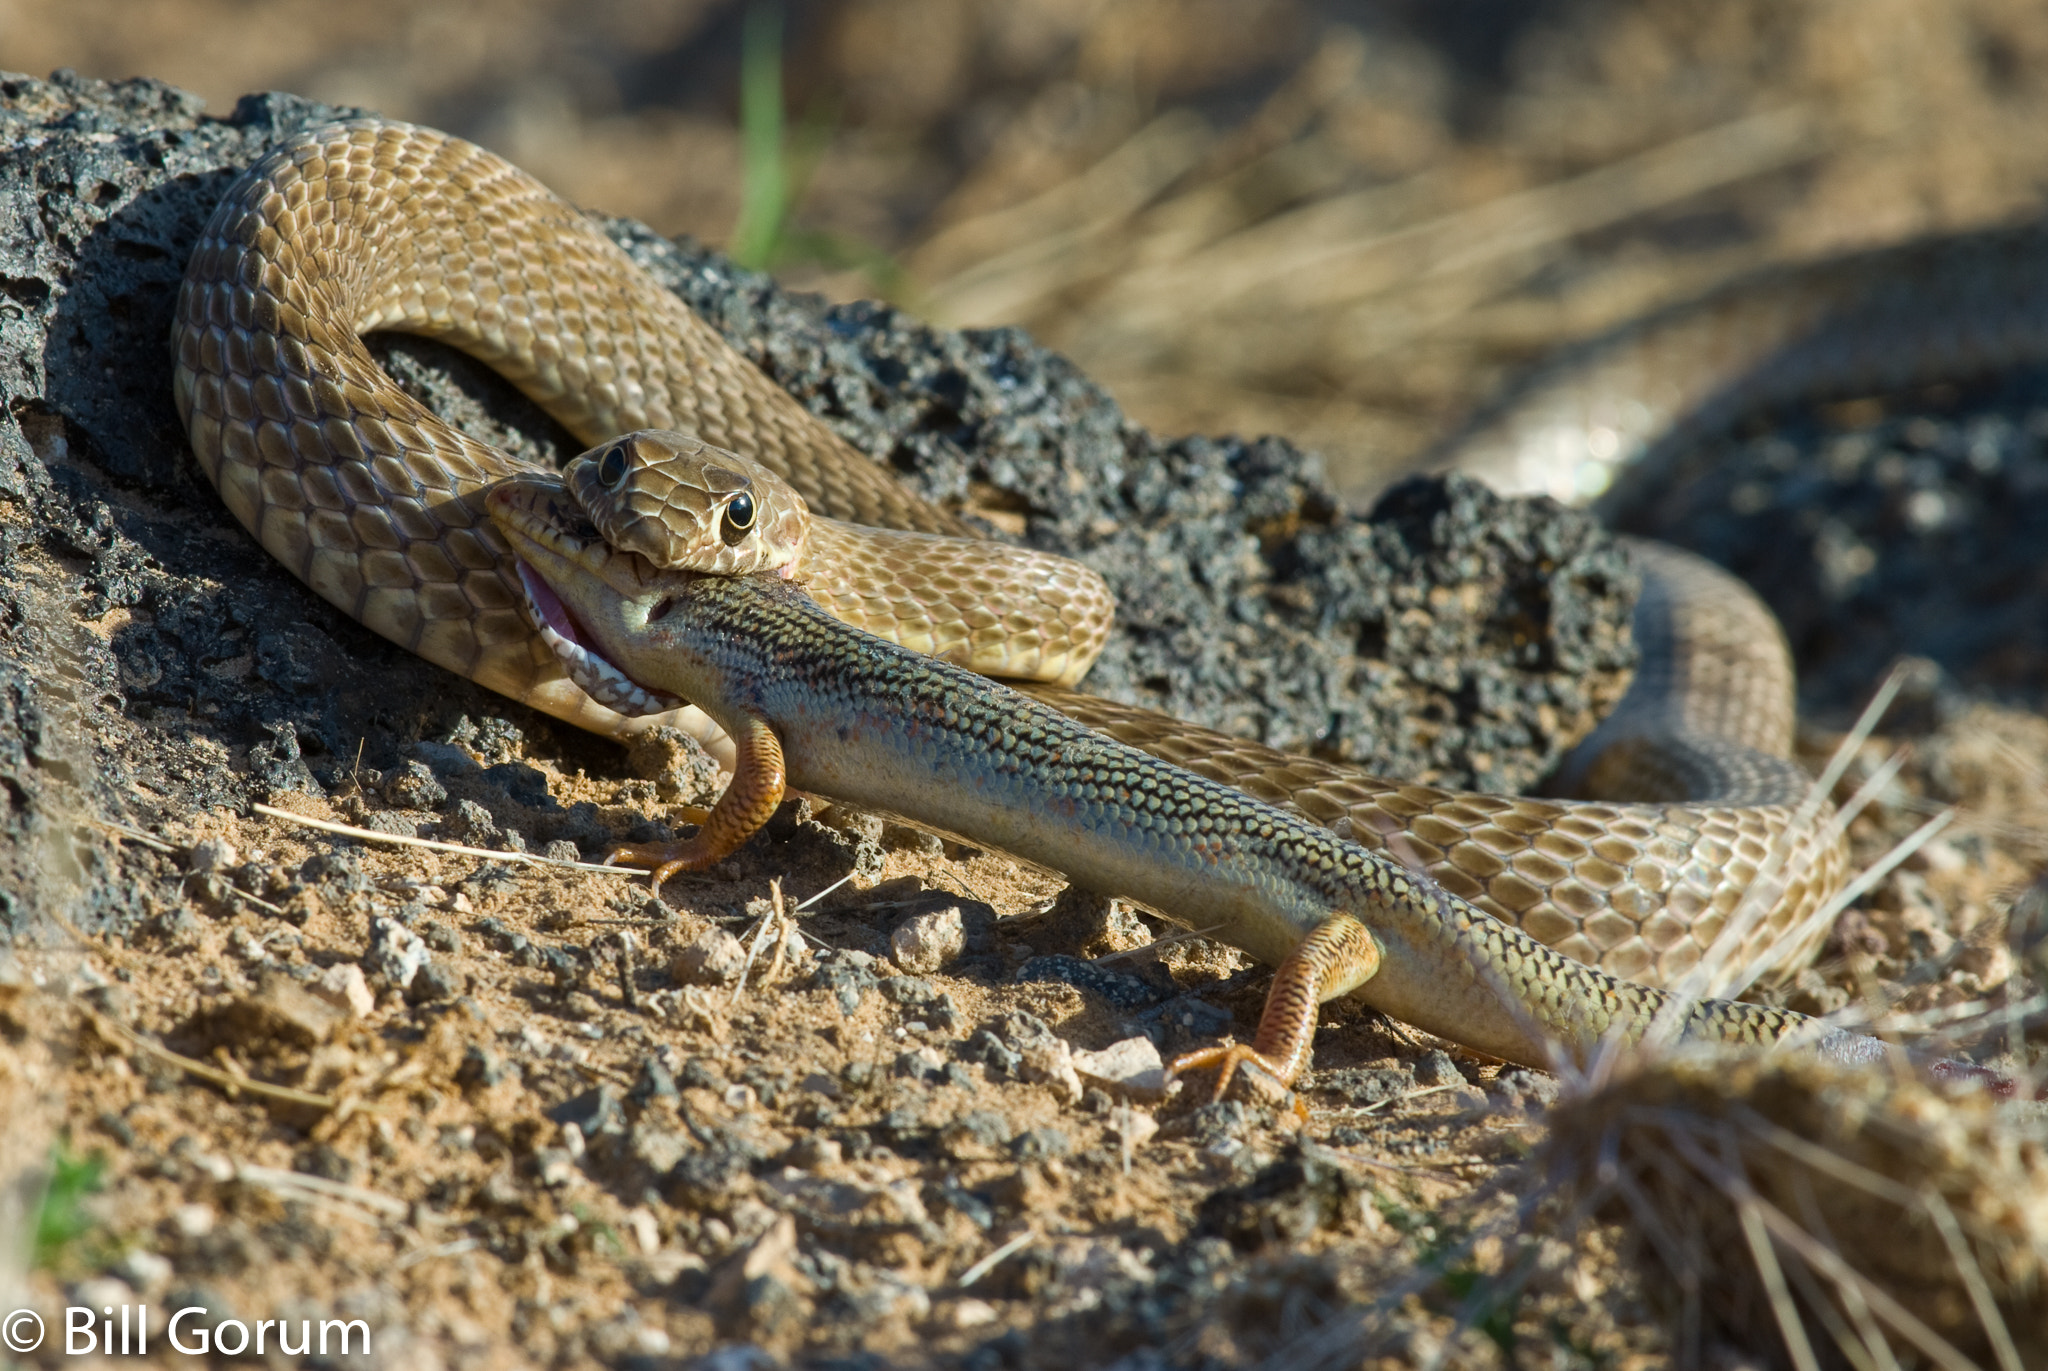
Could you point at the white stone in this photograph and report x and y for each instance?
(344, 986)
(971, 1313)
(1052, 1062)
(212, 854)
(1135, 1127)
(192, 1220)
(102, 1292)
(1132, 1067)
(146, 1271)
(929, 941)
(713, 957)
(646, 1232)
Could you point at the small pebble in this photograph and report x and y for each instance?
(192, 1220)
(212, 854)
(928, 941)
(713, 957)
(1132, 1067)
(812, 1152)
(147, 1272)
(396, 953)
(346, 988)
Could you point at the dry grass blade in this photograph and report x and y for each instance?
(773, 921)
(1853, 891)
(1981, 1300)
(300, 1186)
(996, 1258)
(1296, 269)
(1790, 1327)
(120, 1035)
(371, 835)
(1872, 1221)
(1715, 975)
(1045, 240)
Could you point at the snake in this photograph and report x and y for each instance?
(384, 510)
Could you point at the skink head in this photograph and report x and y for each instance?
(584, 596)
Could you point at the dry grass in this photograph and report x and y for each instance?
(1816, 1215)
(1349, 267)
(1333, 224)
(1819, 1216)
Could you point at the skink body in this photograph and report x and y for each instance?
(872, 724)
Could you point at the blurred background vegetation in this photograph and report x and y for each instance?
(1343, 222)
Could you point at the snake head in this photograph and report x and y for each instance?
(688, 506)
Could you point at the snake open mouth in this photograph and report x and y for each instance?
(598, 678)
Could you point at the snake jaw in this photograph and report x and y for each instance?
(529, 512)
(597, 677)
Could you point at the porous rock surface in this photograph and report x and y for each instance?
(154, 659)
(1913, 531)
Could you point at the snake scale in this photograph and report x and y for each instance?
(380, 507)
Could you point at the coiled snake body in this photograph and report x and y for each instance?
(379, 507)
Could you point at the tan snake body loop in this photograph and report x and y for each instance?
(1001, 610)
(369, 497)
(376, 504)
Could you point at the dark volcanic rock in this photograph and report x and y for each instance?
(1916, 526)
(147, 643)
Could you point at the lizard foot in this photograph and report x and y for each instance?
(1228, 1058)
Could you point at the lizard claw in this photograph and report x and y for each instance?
(1228, 1058)
(667, 860)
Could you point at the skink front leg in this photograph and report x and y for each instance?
(758, 782)
(1336, 959)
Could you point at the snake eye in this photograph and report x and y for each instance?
(739, 517)
(611, 468)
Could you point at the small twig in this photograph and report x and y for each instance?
(772, 919)
(1941, 1016)
(446, 1249)
(150, 840)
(821, 894)
(989, 1263)
(257, 900)
(1038, 910)
(136, 835)
(1442, 1168)
(697, 1130)
(291, 1182)
(622, 946)
(122, 1035)
(1378, 1105)
(603, 1073)
(435, 844)
(1182, 936)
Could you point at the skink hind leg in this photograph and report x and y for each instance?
(1337, 958)
(758, 781)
